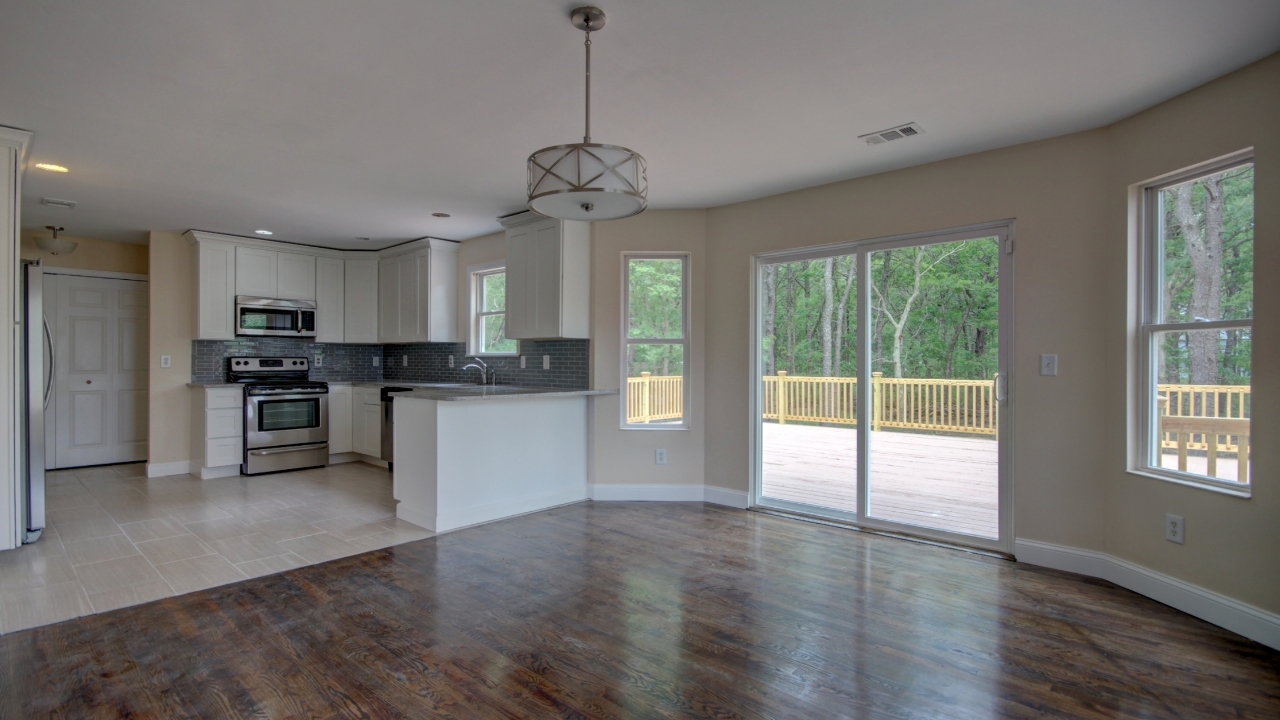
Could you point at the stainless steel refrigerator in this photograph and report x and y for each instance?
(38, 375)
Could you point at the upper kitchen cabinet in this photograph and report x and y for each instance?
(274, 274)
(417, 293)
(361, 315)
(331, 284)
(548, 277)
(215, 288)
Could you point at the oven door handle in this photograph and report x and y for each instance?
(291, 448)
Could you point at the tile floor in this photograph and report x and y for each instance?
(117, 538)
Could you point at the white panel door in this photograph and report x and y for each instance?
(330, 299)
(100, 371)
(256, 272)
(361, 316)
(389, 300)
(296, 277)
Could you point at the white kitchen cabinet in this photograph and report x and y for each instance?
(217, 431)
(296, 276)
(361, 312)
(417, 295)
(275, 274)
(256, 272)
(330, 295)
(340, 418)
(366, 430)
(548, 278)
(215, 290)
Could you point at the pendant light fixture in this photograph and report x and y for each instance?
(586, 180)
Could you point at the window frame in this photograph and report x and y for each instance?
(684, 340)
(1144, 437)
(476, 274)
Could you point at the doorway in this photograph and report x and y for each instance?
(99, 328)
(881, 373)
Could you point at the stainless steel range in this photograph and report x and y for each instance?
(286, 415)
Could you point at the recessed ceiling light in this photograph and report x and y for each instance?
(364, 239)
(441, 215)
(51, 167)
(264, 232)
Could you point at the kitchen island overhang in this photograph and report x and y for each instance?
(472, 455)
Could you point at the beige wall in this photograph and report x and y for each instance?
(1232, 544)
(1069, 198)
(90, 254)
(172, 314)
(627, 456)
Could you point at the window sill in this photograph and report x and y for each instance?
(1224, 488)
(655, 427)
(489, 355)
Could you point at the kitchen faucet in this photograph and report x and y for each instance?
(480, 365)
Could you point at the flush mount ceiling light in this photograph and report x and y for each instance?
(586, 180)
(264, 232)
(51, 167)
(55, 244)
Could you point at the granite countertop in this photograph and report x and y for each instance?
(492, 392)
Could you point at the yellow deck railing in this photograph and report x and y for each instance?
(963, 406)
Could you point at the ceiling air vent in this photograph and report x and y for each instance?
(68, 204)
(897, 133)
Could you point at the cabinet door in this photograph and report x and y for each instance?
(215, 291)
(411, 291)
(533, 280)
(361, 317)
(367, 433)
(256, 272)
(296, 276)
(330, 299)
(340, 418)
(389, 300)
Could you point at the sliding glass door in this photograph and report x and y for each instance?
(880, 378)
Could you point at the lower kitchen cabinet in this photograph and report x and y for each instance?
(217, 431)
(340, 419)
(366, 421)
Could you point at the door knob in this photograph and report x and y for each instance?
(88, 382)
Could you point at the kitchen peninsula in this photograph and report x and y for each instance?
(467, 455)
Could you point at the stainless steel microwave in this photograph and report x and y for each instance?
(268, 316)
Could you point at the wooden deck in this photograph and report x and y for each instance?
(946, 483)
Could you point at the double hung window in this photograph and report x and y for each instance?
(489, 319)
(655, 345)
(1196, 327)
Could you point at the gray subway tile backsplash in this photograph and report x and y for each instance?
(426, 362)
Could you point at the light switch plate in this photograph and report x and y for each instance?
(166, 361)
(1048, 364)
(522, 359)
(404, 361)
(375, 360)
(546, 362)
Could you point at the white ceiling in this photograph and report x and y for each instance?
(326, 120)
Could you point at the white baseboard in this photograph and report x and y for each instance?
(1242, 618)
(605, 492)
(182, 467)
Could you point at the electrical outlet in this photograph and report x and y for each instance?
(660, 456)
(450, 361)
(375, 360)
(1048, 364)
(1175, 529)
(404, 361)
(546, 362)
(319, 361)
(522, 359)
(166, 361)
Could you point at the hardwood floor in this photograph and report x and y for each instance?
(645, 610)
